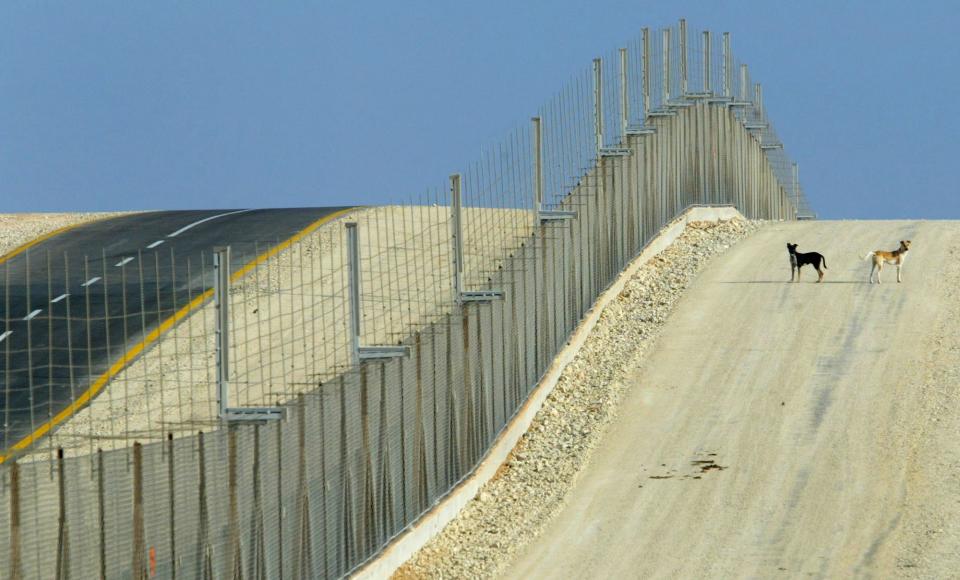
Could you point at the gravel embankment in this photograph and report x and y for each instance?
(531, 486)
(17, 229)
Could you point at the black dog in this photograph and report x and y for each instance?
(798, 260)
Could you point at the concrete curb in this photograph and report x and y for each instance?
(432, 523)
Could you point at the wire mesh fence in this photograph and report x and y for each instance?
(394, 363)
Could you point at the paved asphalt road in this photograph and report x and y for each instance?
(783, 430)
(73, 303)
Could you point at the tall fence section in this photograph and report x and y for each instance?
(302, 403)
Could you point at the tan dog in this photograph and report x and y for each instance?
(895, 257)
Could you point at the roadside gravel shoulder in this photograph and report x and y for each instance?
(17, 229)
(532, 485)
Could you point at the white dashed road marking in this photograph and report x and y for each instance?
(154, 244)
(58, 299)
(197, 223)
(32, 314)
(90, 281)
(126, 260)
(5, 335)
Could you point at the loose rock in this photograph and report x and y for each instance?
(545, 463)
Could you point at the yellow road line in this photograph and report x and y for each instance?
(135, 351)
(298, 236)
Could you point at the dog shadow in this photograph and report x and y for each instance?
(789, 282)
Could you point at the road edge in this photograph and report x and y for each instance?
(43, 237)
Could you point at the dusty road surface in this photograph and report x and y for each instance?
(784, 430)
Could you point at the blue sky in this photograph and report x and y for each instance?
(175, 105)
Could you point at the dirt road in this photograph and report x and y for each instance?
(784, 430)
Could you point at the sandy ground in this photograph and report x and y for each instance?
(784, 430)
(17, 229)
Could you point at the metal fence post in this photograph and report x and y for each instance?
(683, 56)
(706, 62)
(542, 214)
(796, 182)
(102, 514)
(204, 551)
(234, 557)
(139, 563)
(172, 503)
(727, 64)
(14, 567)
(758, 99)
(665, 81)
(624, 95)
(537, 166)
(362, 353)
(598, 114)
(257, 567)
(598, 103)
(457, 237)
(353, 262)
(743, 82)
(221, 298)
(63, 535)
(460, 295)
(645, 73)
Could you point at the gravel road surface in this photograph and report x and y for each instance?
(776, 429)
